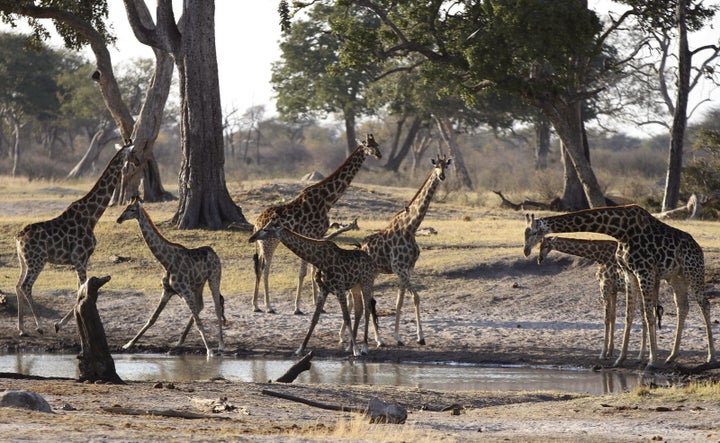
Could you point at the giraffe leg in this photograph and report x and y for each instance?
(265, 250)
(316, 315)
(200, 328)
(416, 302)
(218, 301)
(648, 290)
(302, 272)
(679, 288)
(356, 350)
(631, 294)
(608, 294)
(185, 332)
(398, 308)
(699, 292)
(161, 305)
(23, 289)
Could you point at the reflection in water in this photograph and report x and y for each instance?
(160, 367)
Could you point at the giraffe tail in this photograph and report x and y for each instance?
(373, 312)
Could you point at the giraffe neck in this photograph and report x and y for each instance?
(618, 221)
(328, 191)
(319, 253)
(161, 248)
(602, 251)
(93, 204)
(409, 219)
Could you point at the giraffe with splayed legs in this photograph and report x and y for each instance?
(306, 214)
(610, 277)
(648, 251)
(186, 272)
(395, 250)
(337, 271)
(69, 238)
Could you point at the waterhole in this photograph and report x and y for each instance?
(444, 376)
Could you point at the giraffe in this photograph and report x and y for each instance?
(394, 249)
(186, 271)
(306, 214)
(337, 270)
(648, 251)
(67, 239)
(609, 275)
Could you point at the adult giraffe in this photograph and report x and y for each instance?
(307, 215)
(394, 249)
(67, 239)
(648, 251)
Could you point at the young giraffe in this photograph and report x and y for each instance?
(648, 251)
(67, 239)
(337, 270)
(186, 271)
(306, 214)
(394, 249)
(609, 275)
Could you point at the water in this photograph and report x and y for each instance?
(446, 376)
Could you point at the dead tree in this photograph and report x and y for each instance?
(94, 361)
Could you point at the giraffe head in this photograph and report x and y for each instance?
(129, 161)
(534, 232)
(132, 211)
(270, 230)
(371, 147)
(440, 163)
(546, 245)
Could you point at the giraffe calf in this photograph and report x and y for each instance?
(186, 272)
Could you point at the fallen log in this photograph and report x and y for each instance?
(174, 413)
(377, 410)
(295, 370)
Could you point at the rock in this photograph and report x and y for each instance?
(381, 412)
(24, 400)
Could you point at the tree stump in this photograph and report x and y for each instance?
(95, 362)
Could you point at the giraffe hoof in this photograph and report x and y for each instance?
(57, 328)
(271, 311)
(40, 331)
(399, 343)
(22, 333)
(298, 312)
(421, 341)
(257, 310)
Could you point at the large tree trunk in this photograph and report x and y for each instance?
(677, 136)
(394, 161)
(447, 131)
(542, 143)
(145, 133)
(204, 198)
(566, 118)
(573, 196)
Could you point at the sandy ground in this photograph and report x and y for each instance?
(509, 311)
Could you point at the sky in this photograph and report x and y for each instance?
(247, 37)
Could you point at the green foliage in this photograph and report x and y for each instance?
(27, 78)
(92, 12)
(702, 174)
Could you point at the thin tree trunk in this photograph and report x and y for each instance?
(458, 164)
(16, 147)
(394, 162)
(350, 134)
(677, 136)
(97, 143)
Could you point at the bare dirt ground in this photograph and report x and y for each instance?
(507, 310)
